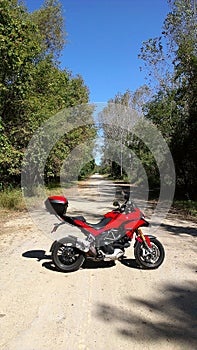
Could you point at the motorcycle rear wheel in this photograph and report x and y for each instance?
(146, 259)
(67, 258)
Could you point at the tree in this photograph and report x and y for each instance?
(114, 135)
(33, 87)
(118, 119)
(174, 105)
(50, 22)
(19, 47)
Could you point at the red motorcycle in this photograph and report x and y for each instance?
(105, 240)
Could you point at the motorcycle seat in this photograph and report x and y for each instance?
(80, 218)
(100, 224)
(71, 219)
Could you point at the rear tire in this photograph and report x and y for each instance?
(146, 259)
(67, 258)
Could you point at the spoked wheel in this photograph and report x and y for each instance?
(67, 258)
(149, 259)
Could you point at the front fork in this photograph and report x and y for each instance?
(146, 239)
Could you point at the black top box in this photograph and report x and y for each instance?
(56, 205)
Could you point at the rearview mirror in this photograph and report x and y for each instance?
(126, 196)
(116, 204)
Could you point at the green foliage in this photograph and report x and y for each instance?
(87, 169)
(19, 47)
(32, 86)
(174, 106)
(50, 22)
(171, 63)
(186, 209)
(12, 199)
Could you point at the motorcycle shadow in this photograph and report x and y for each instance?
(41, 255)
(88, 264)
(36, 254)
(131, 263)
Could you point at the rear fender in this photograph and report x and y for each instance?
(64, 240)
(53, 246)
(80, 244)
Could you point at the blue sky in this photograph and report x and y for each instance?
(104, 40)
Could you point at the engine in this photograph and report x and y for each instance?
(113, 239)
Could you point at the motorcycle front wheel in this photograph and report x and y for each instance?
(67, 258)
(149, 259)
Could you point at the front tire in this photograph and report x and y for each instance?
(67, 258)
(146, 259)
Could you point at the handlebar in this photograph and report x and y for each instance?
(122, 207)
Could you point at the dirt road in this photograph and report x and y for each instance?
(98, 307)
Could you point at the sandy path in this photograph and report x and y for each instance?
(118, 307)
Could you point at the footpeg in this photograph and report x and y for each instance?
(115, 256)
